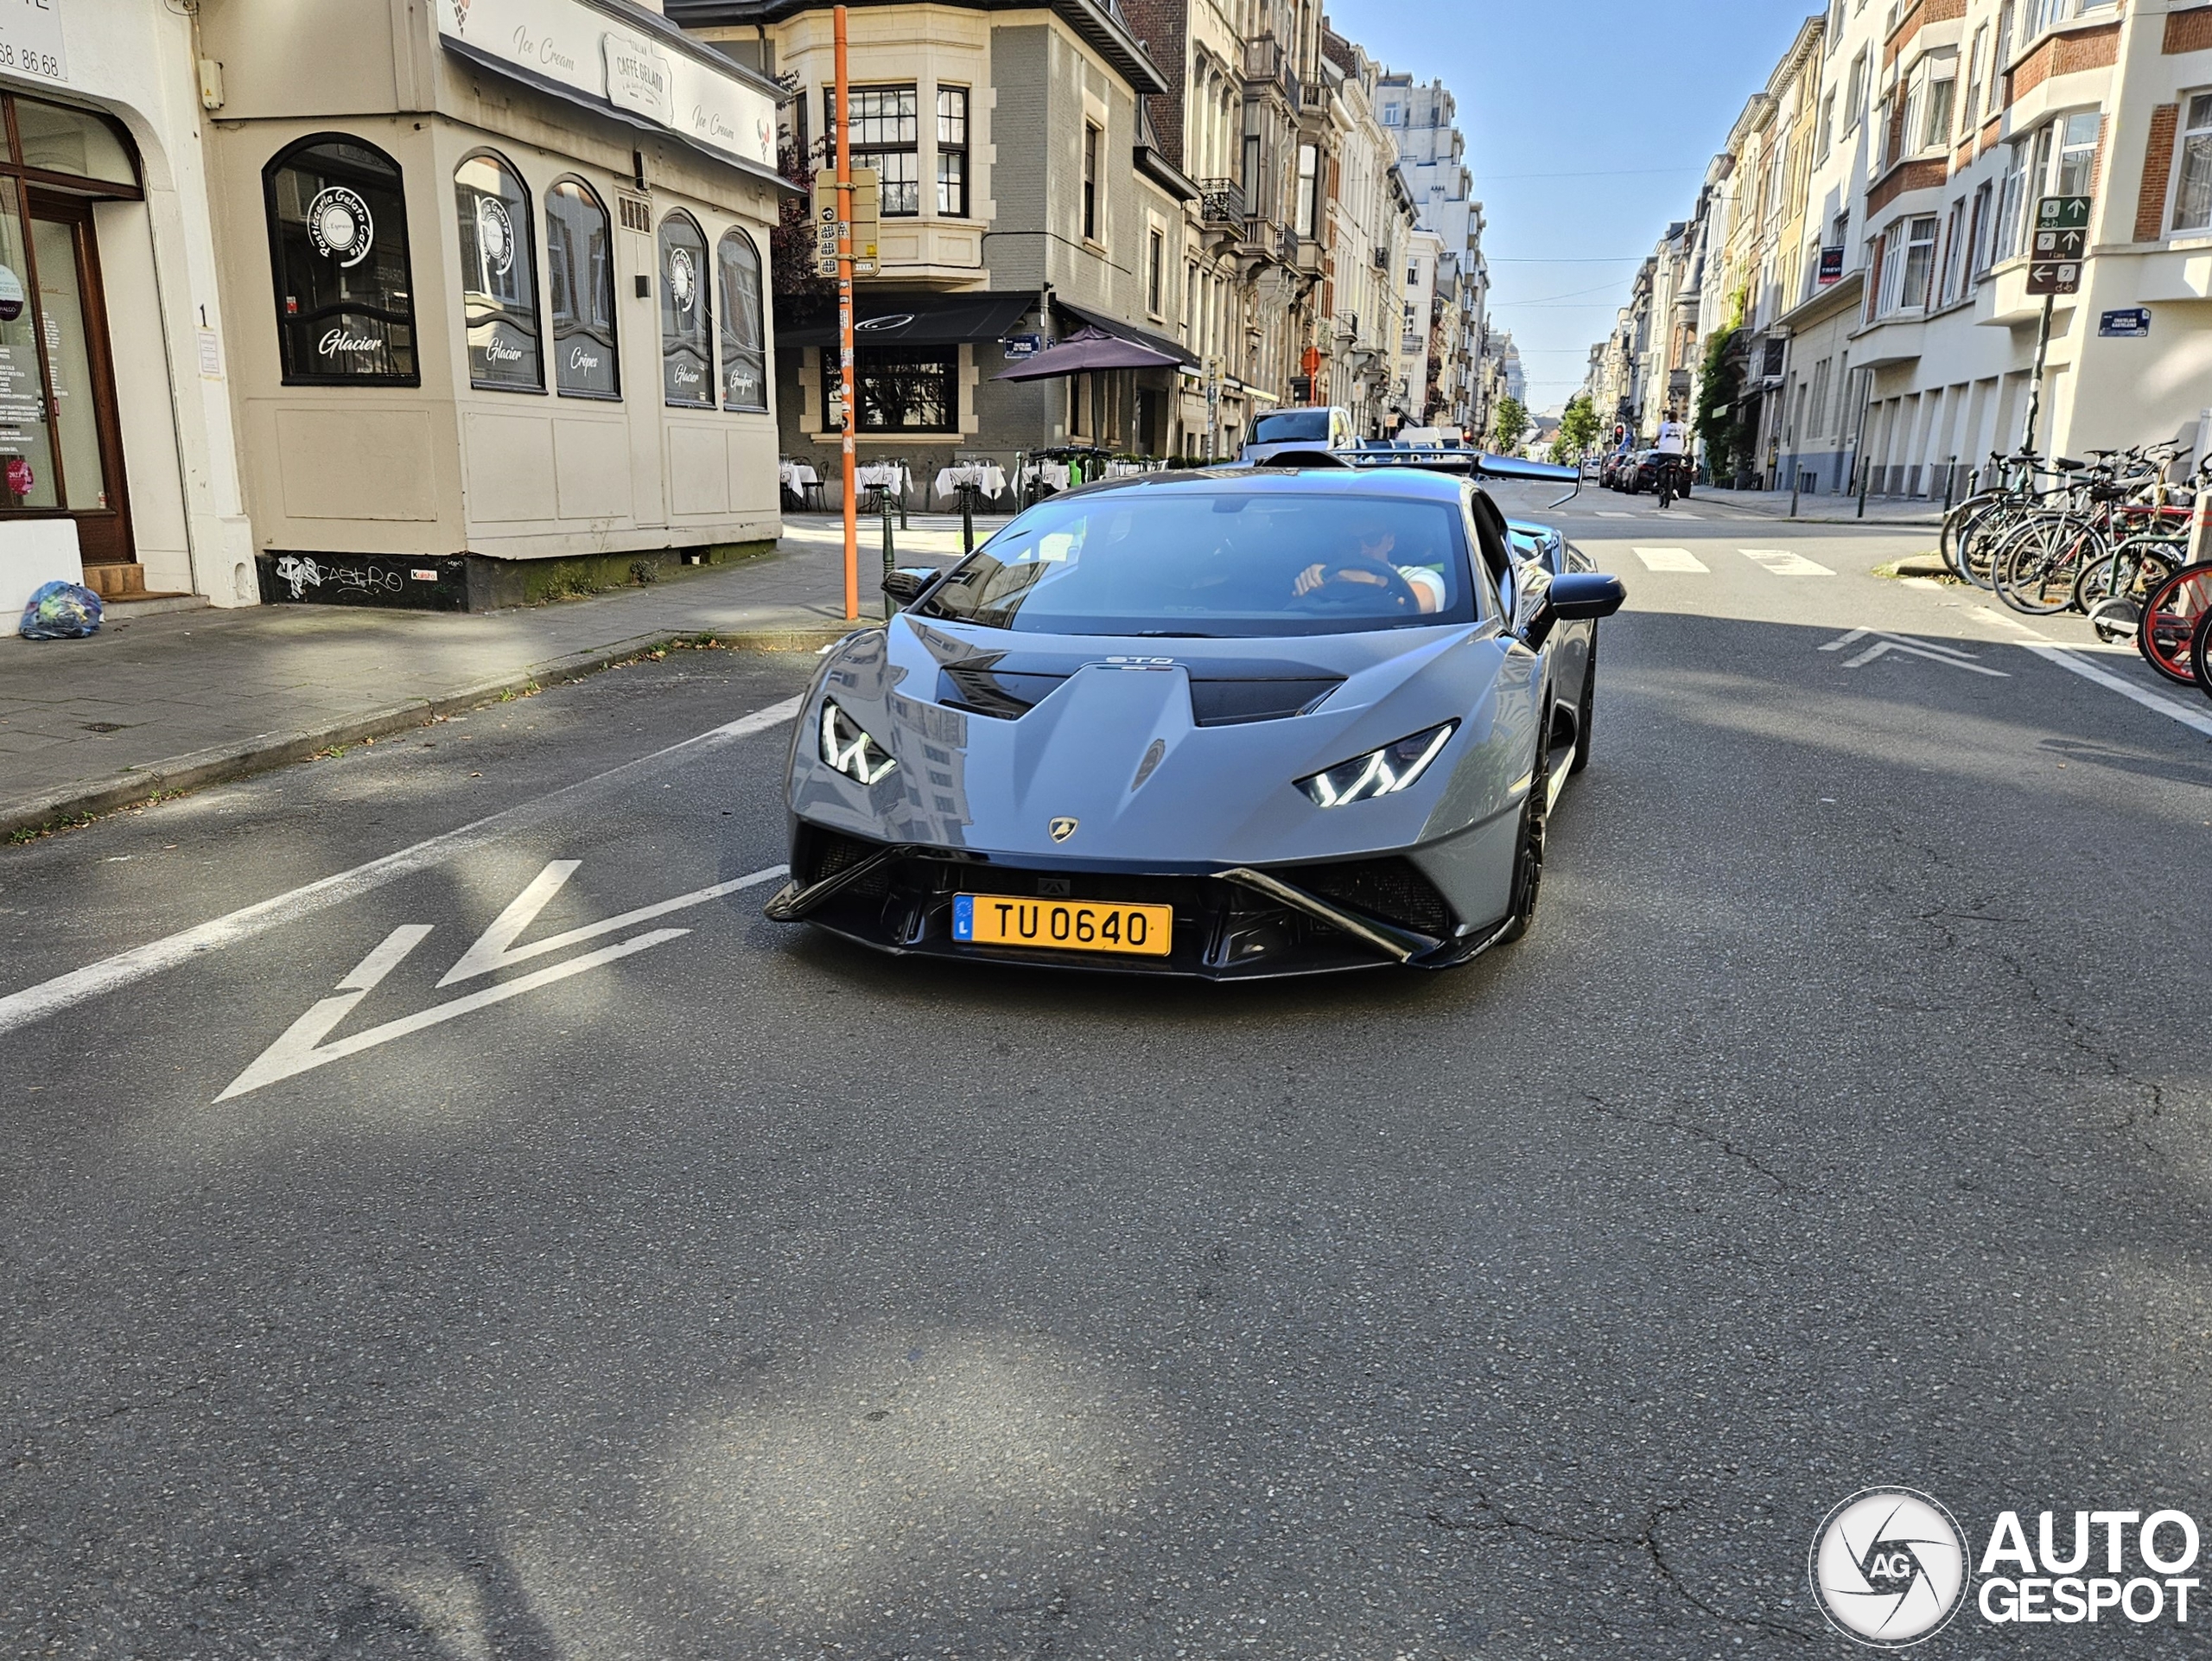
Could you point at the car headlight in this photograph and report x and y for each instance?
(1379, 773)
(847, 747)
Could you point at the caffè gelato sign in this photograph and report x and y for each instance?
(585, 50)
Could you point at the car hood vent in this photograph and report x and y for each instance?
(1231, 703)
(983, 689)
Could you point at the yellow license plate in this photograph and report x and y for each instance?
(1062, 925)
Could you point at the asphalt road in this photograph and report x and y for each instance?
(1842, 1121)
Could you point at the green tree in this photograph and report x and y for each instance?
(1509, 424)
(1719, 382)
(1578, 430)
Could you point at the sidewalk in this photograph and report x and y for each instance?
(1885, 514)
(181, 699)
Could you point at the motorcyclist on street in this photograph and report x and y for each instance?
(1673, 455)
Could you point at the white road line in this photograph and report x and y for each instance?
(48, 997)
(1607, 513)
(2068, 657)
(1670, 559)
(1782, 563)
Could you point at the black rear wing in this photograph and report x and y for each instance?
(1478, 464)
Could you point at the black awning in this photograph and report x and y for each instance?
(1123, 331)
(919, 318)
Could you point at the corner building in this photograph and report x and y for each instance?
(494, 274)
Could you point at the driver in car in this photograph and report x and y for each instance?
(1373, 566)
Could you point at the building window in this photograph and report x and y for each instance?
(1854, 101)
(1906, 285)
(1935, 129)
(952, 152)
(1309, 180)
(1971, 108)
(885, 132)
(338, 243)
(2012, 202)
(1978, 238)
(900, 389)
(1155, 256)
(2193, 196)
(745, 356)
(1827, 126)
(1954, 251)
(687, 315)
(498, 278)
(2075, 173)
(1090, 183)
(579, 272)
(2000, 57)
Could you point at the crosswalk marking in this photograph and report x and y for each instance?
(1604, 513)
(1782, 563)
(1671, 559)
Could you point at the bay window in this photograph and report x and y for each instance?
(499, 281)
(579, 272)
(885, 135)
(953, 151)
(2193, 190)
(338, 241)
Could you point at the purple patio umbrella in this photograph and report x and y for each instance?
(1086, 350)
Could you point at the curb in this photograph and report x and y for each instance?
(266, 752)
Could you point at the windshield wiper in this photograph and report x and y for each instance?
(1170, 634)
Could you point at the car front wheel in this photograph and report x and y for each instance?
(1529, 847)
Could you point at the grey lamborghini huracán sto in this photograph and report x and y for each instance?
(1235, 723)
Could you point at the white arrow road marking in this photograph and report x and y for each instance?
(1782, 563)
(302, 1048)
(298, 1051)
(34, 1003)
(492, 949)
(1670, 559)
(1884, 644)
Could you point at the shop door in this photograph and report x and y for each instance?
(84, 430)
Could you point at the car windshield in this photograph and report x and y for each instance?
(1289, 425)
(1227, 564)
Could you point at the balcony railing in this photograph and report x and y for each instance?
(1262, 58)
(1221, 204)
(1265, 236)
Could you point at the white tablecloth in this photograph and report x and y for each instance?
(890, 475)
(796, 476)
(1048, 475)
(1123, 469)
(986, 476)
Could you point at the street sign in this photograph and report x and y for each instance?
(2061, 240)
(1023, 346)
(867, 209)
(2132, 324)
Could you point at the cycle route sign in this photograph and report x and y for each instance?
(2061, 241)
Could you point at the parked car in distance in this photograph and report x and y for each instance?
(1645, 474)
(1312, 427)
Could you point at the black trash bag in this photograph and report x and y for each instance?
(61, 611)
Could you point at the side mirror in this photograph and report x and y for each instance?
(1578, 595)
(904, 585)
(1570, 597)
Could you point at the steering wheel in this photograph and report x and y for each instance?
(1352, 585)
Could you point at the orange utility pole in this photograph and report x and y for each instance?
(845, 322)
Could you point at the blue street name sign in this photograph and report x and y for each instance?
(2132, 324)
(1022, 346)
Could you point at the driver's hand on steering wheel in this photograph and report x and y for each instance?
(1319, 572)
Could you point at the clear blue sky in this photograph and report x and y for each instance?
(1633, 100)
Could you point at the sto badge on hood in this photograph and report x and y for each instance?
(1062, 828)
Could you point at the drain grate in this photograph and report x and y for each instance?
(105, 726)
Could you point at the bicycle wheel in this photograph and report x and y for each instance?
(2128, 573)
(2199, 653)
(2167, 633)
(1977, 544)
(1959, 523)
(2036, 564)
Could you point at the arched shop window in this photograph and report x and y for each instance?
(687, 315)
(579, 272)
(338, 241)
(499, 276)
(745, 358)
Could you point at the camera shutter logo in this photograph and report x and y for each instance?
(340, 225)
(683, 278)
(1888, 1568)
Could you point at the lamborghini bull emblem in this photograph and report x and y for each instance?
(1062, 828)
